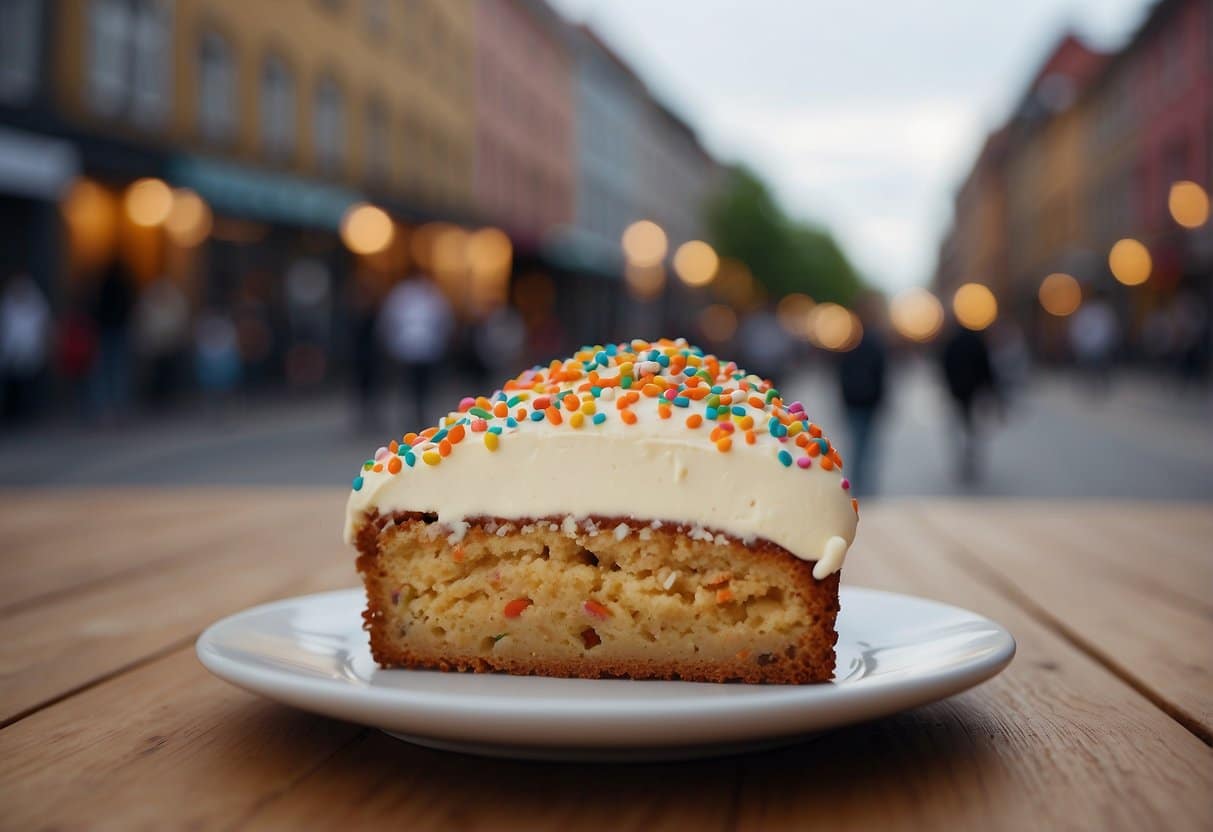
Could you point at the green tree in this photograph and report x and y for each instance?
(745, 222)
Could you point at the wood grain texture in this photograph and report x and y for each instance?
(290, 545)
(1139, 599)
(120, 727)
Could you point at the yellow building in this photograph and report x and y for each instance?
(371, 94)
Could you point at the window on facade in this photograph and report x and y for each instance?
(129, 60)
(151, 56)
(378, 147)
(19, 39)
(277, 108)
(328, 124)
(109, 69)
(216, 88)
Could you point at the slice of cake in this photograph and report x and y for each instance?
(640, 510)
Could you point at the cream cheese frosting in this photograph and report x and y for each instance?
(655, 431)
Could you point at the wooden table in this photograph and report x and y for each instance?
(1104, 719)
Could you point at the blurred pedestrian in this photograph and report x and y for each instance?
(1094, 337)
(77, 357)
(861, 379)
(1191, 338)
(415, 326)
(217, 362)
(364, 345)
(499, 341)
(24, 335)
(970, 377)
(162, 316)
(113, 308)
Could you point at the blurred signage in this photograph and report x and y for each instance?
(249, 194)
(35, 166)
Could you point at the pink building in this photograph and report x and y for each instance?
(525, 158)
(1171, 62)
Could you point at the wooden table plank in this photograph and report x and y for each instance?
(1056, 739)
(1103, 587)
(61, 550)
(166, 745)
(74, 638)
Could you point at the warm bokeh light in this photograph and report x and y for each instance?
(148, 201)
(644, 243)
(1189, 204)
(366, 229)
(793, 312)
(489, 253)
(916, 314)
(449, 258)
(189, 222)
(1130, 262)
(735, 284)
(834, 327)
(696, 263)
(90, 212)
(644, 282)
(718, 322)
(1060, 294)
(421, 243)
(975, 306)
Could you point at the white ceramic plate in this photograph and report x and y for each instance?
(894, 652)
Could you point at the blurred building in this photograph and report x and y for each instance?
(1088, 159)
(525, 171)
(222, 144)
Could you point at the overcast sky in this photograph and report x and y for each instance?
(862, 116)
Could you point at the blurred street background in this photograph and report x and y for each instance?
(246, 243)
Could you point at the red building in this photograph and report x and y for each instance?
(525, 179)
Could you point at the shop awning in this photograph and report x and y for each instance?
(36, 166)
(269, 197)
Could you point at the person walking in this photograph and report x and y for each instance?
(24, 336)
(970, 376)
(113, 309)
(861, 380)
(415, 325)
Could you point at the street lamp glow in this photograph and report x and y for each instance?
(189, 221)
(489, 253)
(644, 282)
(793, 313)
(835, 327)
(1060, 294)
(148, 202)
(1189, 204)
(916, 314)
(696, 263)
(975, 306)
(366, 229)
(644, 243)
(1130, 262)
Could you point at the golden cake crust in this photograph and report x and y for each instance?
(805, 655)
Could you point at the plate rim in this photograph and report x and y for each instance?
(785, 709)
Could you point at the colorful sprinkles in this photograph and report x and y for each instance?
(624, 382)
